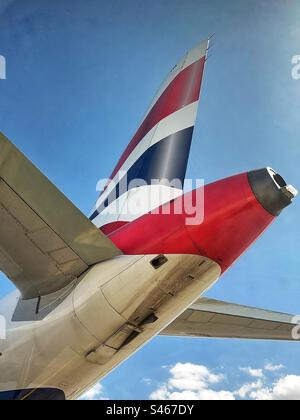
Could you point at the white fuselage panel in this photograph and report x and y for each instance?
(116, 307)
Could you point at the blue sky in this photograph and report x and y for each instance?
(80, 75)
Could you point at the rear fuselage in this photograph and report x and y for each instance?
(117, 306)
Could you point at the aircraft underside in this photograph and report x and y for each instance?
(108, 314)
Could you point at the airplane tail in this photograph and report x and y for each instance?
(152, 169)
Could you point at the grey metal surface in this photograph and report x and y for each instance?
(38, 308)
(215, 319)
(45, 241)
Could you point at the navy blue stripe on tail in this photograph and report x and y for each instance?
(165, 160)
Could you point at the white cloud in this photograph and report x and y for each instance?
(94, 393)
(188, 381)
(286, 388)
(192, 382)
(254, 373)
(189, 376)
(273, 368)
(248, 388)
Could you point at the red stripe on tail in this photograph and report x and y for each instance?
(182, 91)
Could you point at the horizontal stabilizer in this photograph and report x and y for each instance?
(45, 241)
(215, 319)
